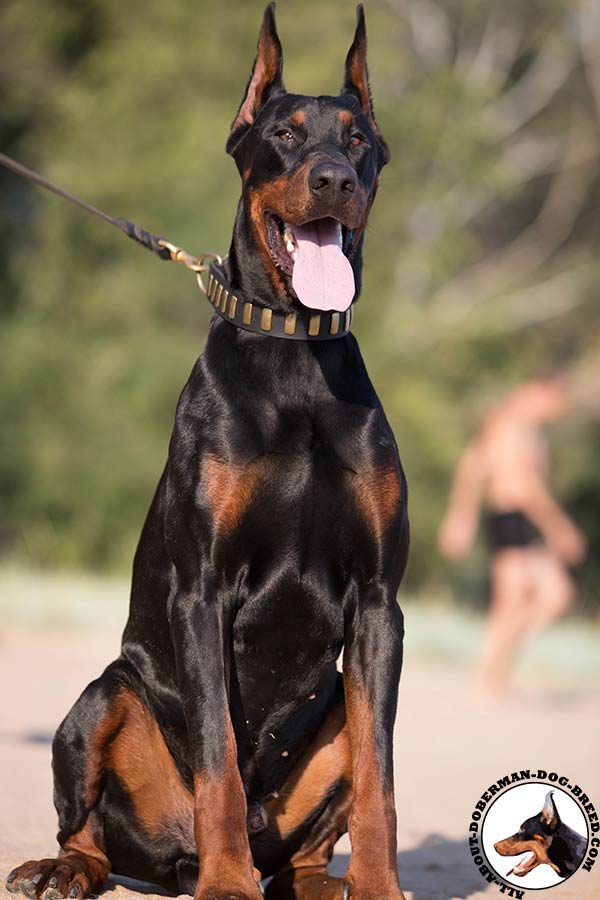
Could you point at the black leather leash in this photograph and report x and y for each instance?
(244, 314)
(163, 248)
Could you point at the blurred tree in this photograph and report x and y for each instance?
(481, 264)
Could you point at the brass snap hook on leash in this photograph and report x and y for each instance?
(195, 263)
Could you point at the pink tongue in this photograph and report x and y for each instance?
(521, 864)
(322, 276)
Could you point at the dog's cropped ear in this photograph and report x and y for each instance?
(550, 813)
(356, 79)
(266, 79)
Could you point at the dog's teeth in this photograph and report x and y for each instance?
(288, 240)
(295, 255)
(339, 234)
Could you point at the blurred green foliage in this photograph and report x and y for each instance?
(481, 261)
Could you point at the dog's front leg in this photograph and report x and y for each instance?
(201, 627)
(372, 664)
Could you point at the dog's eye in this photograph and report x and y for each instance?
(286, 136)
(356, 140)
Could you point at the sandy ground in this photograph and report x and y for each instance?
(447, 753)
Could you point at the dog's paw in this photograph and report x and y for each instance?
(31, 877)
(58, 878)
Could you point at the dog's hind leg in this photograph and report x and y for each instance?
(311, 813)
(82, 865)
(109, 736)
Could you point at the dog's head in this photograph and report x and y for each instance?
(534, 838)
(309, 168)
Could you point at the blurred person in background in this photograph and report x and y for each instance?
(533, 540)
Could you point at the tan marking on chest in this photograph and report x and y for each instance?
(378, 494)
(229, 489)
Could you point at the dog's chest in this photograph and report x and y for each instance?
(303, 496)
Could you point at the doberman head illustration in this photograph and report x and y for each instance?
(545, 839)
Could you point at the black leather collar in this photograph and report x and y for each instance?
(295, 326)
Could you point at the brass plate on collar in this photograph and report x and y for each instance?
(218, 297)
(335, 323)
(247, 317)
(232, 306)
(314, 325)
(289, 325)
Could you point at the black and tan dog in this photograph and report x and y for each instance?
(223, 745)
(546, 840)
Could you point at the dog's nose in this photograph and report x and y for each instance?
(333, 182)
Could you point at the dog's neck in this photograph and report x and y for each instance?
(566, 850)
(253, 275)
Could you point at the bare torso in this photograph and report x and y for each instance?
(514, 455)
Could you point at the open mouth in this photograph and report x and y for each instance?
(316, 256)
(524, 865)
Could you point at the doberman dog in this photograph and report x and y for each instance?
(546, 840)
(223, 746)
